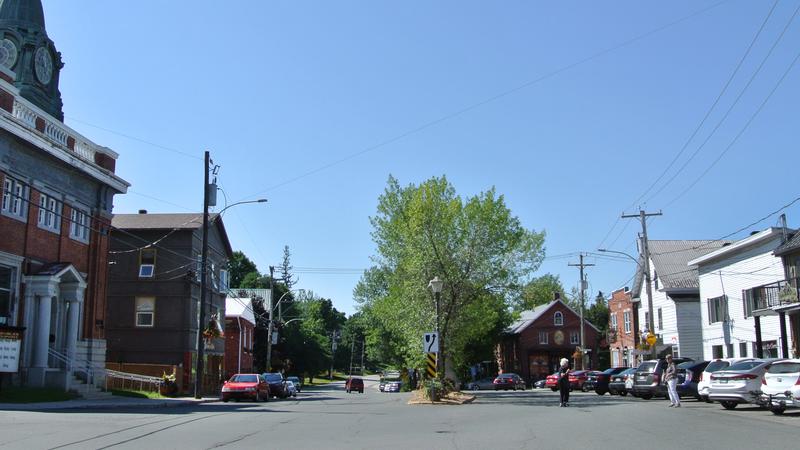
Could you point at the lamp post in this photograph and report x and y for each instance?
(436, 286)
(646, 269)
(198, 383)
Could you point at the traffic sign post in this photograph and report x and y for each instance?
(651, 339)
(430, 343)
(430, 363)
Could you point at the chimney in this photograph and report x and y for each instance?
(142, 211)
(556, 296)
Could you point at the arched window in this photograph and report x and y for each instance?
(558, 319)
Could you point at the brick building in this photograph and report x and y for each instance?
(623, 323)
(57, 196)
(534, 344)
(240, 323)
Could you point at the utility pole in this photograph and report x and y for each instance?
(198, 383)
(363, 342)
(642, 216)
(269, 326)
(583, 306)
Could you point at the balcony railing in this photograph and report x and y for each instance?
(773, 295)
(56, 132)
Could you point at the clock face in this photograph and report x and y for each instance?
(8, 53)
(43, 65)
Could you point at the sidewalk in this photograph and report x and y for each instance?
(110, 403)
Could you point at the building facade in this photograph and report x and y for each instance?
(57, 191)
(676, 297)
(788, 292)
(534, 344)
(240, 323)
(623, 329)
(154, 294)
(728, 276)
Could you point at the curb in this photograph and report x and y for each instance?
(109, 404)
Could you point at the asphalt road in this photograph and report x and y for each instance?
(329, 418)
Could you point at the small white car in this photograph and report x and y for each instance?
(704, 383)
(780, 386)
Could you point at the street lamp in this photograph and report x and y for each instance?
(198, 384)
(646, 269)
(436, 286)
(269, 327)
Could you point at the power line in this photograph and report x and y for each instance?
(488, 100)
(710, 109)
(732, 106)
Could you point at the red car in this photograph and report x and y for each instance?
(577, 378)
(552, 382)
(354, 384)
(245, 386)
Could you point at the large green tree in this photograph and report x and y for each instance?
(475, 245)
(239, 266)
(539, 291)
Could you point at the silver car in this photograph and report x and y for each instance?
(739, 383)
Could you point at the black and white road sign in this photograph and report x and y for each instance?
(430, 343)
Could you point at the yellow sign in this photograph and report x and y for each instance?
(651, 339)
(431, 365)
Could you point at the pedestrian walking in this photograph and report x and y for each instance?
(671, 377)
(563, 382)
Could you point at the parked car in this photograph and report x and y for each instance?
(591, 380)
(483, 383)
(354, 384)
(250, 386)
(704, 382)
(277, 385)
(577, 378)
(739, 383)
(599, 381)
(552, 381)
(393, 386)
(506, 381)
(539, 384)
(780, 386)
(618, 383)
(298, 383)
(291, 390)
(688, 374)
(648, 381)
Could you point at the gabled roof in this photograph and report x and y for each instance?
(528, 317)
(671, 261)
(755, 239)
(240, 307)
(170, 221)
(791, 245)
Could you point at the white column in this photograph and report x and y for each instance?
(72, 293)
(39, 292)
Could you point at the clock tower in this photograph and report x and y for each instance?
(27, 52)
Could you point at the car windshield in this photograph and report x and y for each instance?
(686, 365)
(747, 365)
(293, 379)
(244, 379)
(714, 366)
(629, 371)
(273, 377)
(289, 384)
(609, 371)
(647, 366)
(791, 367)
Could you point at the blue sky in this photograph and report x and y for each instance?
(572, 110)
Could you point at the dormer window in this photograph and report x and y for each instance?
(558, 319)
(147, 262)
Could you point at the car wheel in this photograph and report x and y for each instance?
(647, 396)
(475, 387)
(600, 392)
(584, 388)
(623, 393)
(553, 389)
(727, 404)
(778, 410)
(225, 400)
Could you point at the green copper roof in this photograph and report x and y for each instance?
(22, 13)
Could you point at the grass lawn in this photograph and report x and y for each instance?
(34, 395)
(136, 394)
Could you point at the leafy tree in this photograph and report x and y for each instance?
(480, 251)
(238, 267)
(538, 291)
(255, 280)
